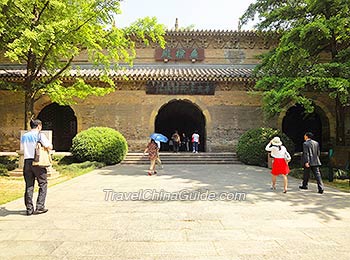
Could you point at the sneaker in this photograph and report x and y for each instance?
(40, 211)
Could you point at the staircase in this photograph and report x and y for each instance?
(184, 158)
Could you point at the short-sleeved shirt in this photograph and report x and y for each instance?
(29, 141)
(195, 138)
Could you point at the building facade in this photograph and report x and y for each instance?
(200, 82)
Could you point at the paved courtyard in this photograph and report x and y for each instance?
(87, 218)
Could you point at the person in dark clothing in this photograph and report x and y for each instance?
(311, 161)
(176, 141)
(185, 142)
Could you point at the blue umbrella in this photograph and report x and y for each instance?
(159, 137)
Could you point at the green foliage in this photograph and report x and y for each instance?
(46, 36)
(251, 145)
(312, 55)
(101, 144)
(8, 163)
(3, 170)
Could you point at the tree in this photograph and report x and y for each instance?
(46, 36)
(313, 54)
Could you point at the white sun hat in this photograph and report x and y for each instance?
(276, 141)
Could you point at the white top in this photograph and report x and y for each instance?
(195, 137)
(276, 152)
(158, 144)
(29, 141)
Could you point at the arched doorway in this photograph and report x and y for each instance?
(184, 116)
(296, 122)
(62, 121)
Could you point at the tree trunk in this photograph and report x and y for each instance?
(340, 121)
(28, 108)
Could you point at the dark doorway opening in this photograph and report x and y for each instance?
(296, 123)
(63, 123)
(183, 116)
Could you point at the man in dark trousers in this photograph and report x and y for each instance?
(30, 172)
(311, 161)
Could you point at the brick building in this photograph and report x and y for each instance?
(200, 81)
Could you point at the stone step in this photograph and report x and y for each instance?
(184, 158)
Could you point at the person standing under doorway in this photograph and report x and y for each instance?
(176, 141)
(195, 142)
(29, 141)
(185, 142)
(311, 161)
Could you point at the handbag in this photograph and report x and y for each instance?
(42, 156)
(287, 157)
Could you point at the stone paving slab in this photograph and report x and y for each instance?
(82, 224)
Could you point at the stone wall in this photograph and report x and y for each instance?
(11, 120)
(228, 114)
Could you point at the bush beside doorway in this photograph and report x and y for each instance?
(101, 144)
(251, 145)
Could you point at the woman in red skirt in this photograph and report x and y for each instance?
(281, 157)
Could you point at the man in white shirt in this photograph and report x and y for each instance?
(30, 172)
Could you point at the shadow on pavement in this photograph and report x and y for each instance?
(254, 181)
(4, 212)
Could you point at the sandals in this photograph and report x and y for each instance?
(150, 173)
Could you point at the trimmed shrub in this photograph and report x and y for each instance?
(3, 170)
(251, 145)
(100, 144)
(8, 163)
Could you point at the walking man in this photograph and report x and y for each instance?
(311, 161)
(30, 172)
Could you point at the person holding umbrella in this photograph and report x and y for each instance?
(152, 149)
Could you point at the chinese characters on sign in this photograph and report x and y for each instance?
(177, 54)
(180, 88)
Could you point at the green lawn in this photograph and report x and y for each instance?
(12, 188)
(342, 185)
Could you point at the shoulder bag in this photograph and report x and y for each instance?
(42, 157)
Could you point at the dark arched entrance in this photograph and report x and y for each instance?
(183, 116)
(63, 123)
(297, 122)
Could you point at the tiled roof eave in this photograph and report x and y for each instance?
(150, 74)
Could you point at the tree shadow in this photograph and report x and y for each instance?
(252, 180)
